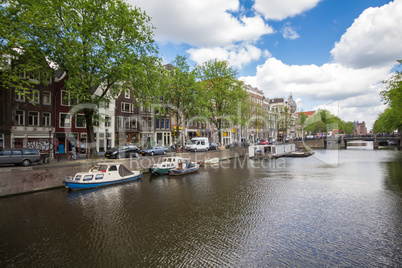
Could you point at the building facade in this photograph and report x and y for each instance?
(26, 118)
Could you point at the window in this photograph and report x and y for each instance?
(99, 177)
(162, 123)
(6, 152)
(167, 125)
(34, 96)
(19, 95)
(80, 121)
(30, 152)
(88, 178)
(65, 120)
(150, 122)
(78, 177)
(19, 118)
(46, 97)
(133, 123)
(17, 152)
(33, 118)
(126, 123)
(65, 96)
(127, 93)
(108, 121)
(120, 122)
(113, 168)
(1, 140)
(67, 100)
(127, 107)
(156, 123)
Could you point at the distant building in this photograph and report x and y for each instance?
(299, 129)
(360, 128)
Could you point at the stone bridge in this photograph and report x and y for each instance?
(377, 140)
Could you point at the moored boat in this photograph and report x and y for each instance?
(300, 154)
(102, 174)
(165, 165)
(185, 167)
(212, 161)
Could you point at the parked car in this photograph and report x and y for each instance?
(123, 151)
(20, 156)
(288, 139)
(156, 149)
(213, 146)
(264, 142)
(272, 141)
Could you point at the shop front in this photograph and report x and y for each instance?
(40, 138)
(65, 141)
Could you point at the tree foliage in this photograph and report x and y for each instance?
(179, 95)
(323, 121)
(391, 118)
(94, 41)
(221, 92)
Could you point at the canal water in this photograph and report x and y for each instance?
(336, 208)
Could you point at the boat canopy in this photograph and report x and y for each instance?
(123, 171)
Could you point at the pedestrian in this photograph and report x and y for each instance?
(74, 151)
(77, 151)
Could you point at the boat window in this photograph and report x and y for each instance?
(113, 168)
(78, 177)
(95, 168)
(87, 178)
(99, 177)
(168, 165)
(102, 168)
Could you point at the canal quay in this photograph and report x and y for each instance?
(337, 208)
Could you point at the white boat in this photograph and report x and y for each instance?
(212, 161)
(185, 167)
(101, 174)
(166, 165)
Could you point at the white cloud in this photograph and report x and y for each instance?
(282, 9)
(374, 39)
(237, 55)
(202, 23)
(356, 89)
(330, 81)
(288, 32)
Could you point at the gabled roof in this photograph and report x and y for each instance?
(307, 113)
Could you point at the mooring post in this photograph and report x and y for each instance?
(375, 142)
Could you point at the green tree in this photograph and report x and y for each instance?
(302, 121)
(391, 118)
(180, 93)
(221, 93)
(283, 122)
(21, 57)
(387, 121)
(95, 42)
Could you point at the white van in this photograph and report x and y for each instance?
(198, 144)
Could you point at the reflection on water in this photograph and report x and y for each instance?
(361, 145)
(284, 212)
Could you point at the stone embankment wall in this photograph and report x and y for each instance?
(18, 180)
(313, 144)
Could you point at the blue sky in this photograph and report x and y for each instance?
(330, 54)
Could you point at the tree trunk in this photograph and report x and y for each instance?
(89, 113)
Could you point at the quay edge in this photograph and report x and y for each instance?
(23, 180)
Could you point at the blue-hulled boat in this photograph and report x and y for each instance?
(185, 167)
(102, 174)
